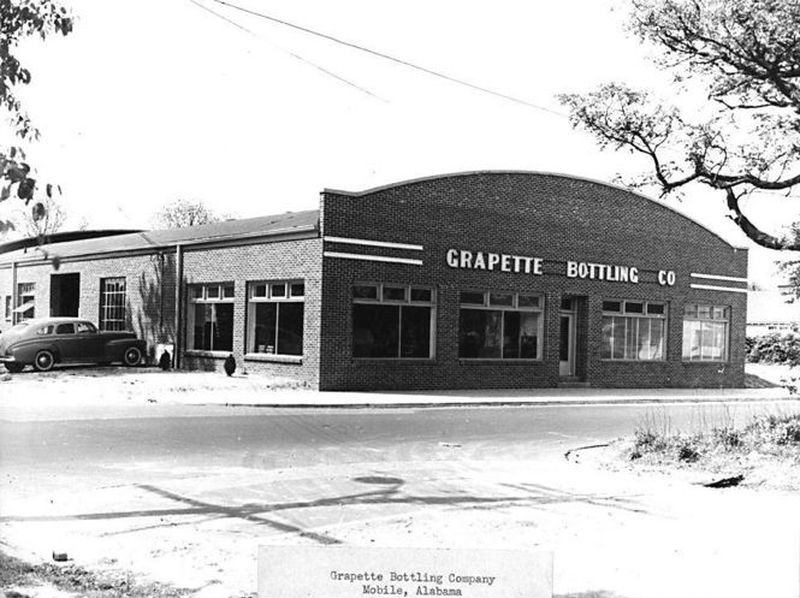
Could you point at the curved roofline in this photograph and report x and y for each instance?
(533, 172)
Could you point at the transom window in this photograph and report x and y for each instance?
(705, 332)
(210, 317)
(633, 330)
(393, 321)
(275, 317)
(500, 325)
(113, 300)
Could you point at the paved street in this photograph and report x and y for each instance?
(186, 493)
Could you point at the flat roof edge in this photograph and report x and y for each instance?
(531, 172)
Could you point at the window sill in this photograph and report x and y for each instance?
(497, 360)
(210, 354)
(273, 358)
(705, 362)
(650, 361)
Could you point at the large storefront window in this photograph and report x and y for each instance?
(112, 303)
(633, 330)
(500, 325)
(705, 332)
(393, 321)
(275, 317)
(210, 317)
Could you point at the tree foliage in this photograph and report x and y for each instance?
(744, 55)
(20, 19)
(183, 213)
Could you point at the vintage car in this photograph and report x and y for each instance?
(45, 342)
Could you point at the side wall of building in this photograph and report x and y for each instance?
(149, 290)
(553, 217)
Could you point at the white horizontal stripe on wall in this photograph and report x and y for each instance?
(371, 243)
(711, 287)
(372, 258)
(718, 277)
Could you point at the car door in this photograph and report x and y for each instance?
(66, 342)
(90, 342)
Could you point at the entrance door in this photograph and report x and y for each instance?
(65, 293)
(566, 366)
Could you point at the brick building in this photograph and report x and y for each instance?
(472, 280)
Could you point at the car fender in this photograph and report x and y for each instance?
(25, 350)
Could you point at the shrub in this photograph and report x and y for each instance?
(781, 348)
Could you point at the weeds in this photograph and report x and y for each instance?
(773, 434)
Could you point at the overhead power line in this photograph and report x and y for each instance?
(289, 52)
(389, 57)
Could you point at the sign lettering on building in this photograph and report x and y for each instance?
(521, 264)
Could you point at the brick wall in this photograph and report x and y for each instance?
(289, 260)
(554, 217)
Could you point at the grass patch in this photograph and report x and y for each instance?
(25, 577)
(773, 435)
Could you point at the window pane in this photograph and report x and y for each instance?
(290, 328)
(265, 315)
(259, 290)
(223, 327)
(634, 307)
(365, 292)
(643, 348)
(421, 295)
(298, 289)
(394, 293)
(719, 313)
(65, 329)
(227, 291)
(631, 326)
(505, 299)
(202, 327)
(656, 339)
(529, 335)
(528, 301)
(691, 340)
(415, 338)
(690, 310)
(614, 306)
(713, 341)
(511, 335)
(566, 303)
(618, 341)
(480, 333)
(655, 308)
(472, 297)
(704, 311)
(375, 330)
(277, 290)
(197, 292)
(212, 292)
(607, 338)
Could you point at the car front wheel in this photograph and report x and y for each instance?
(14, 368)
(132, 356)
(44, 361)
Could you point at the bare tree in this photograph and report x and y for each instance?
(38, 221)
(744, 55)
(183, 213)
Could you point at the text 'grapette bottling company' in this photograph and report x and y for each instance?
(418, 583)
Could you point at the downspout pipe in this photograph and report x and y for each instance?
(177, 348)
(14, 295)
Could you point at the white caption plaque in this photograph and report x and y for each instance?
(350, 572)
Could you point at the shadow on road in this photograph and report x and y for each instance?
(387, 494)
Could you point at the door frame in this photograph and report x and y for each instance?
(567, 368)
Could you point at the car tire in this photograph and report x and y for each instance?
(15, 368)
(132, 356)
(44, 361)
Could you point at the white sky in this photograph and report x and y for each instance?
(154, 100)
